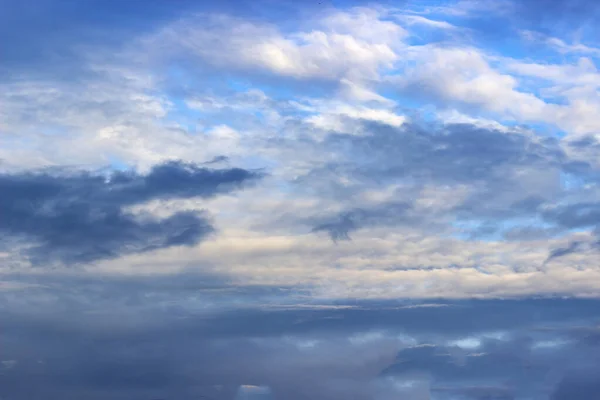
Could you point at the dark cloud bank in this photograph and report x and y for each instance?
(81, 217)
(467, 350)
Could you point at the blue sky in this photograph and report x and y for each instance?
(299, 200)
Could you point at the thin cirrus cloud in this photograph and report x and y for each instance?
(325, 200)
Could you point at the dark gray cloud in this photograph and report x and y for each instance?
(450, 153)
(578, 215)
(584, 215)
(585, 142)
(501, 170)
(501, 362)
(81, 216)
(301, 354)
(340, 227)
(516, 182)
(563, 251)
(581, 384)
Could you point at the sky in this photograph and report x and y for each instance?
(288, 200)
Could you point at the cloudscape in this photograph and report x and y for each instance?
(283, 200)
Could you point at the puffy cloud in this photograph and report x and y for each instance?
(356, 43)
(450, 76)
(469, 79)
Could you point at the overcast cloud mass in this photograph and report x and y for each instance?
(318, 200)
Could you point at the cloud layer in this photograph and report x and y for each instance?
(273, 200)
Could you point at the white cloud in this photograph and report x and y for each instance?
(359, 91)
(456, 117)
(342, 44)
(584, 73)
(379, 264)
(464, 75)
(575, 85)
(341, 117)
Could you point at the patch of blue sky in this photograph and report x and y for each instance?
(406, 101)
(513, 46)
(186, 83)
(421, 35)
(506, 36)
(488, 30)
(186, 78)
(181, 89)
(292, 88)
(180, 114)
(544, 52)
(243, 80)
(572, 182)
(540, 128)
(117, 164)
